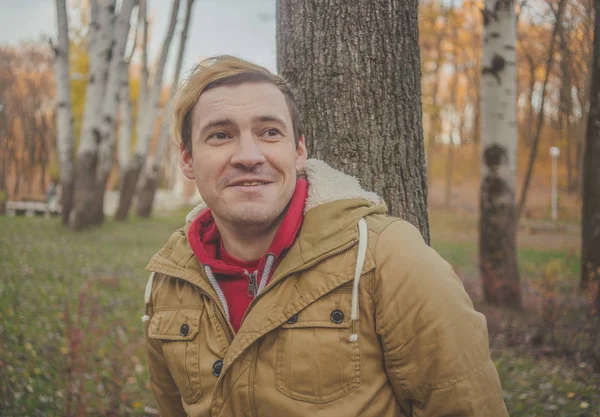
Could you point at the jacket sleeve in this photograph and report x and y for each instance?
(167, 395)
(435, 344)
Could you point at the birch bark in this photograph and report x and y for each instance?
(125, 111)
(497, 227)
(109, 107)
(100, 48)
(64, 125)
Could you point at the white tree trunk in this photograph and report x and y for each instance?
(111, 95)
(64, 126)
(99, 51)
(499, 155)
(125, 104)
(126, 120)
(143, 21)
(145, 125)
(150, 179)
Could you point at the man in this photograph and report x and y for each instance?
(289, 291)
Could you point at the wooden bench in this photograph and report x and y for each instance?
(29, 208)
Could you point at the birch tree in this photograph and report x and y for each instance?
(497, 227)
(151, 178)
(355, 68)
(110, 106)
(64, 123)
(590, 214)
(145, 125)
(100, 49)
(126, 108)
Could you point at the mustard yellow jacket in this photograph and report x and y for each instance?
(413, 346)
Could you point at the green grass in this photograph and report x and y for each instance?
(70, 304)
(74, 300)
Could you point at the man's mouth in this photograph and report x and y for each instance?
(253, 183)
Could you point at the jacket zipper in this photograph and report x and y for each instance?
(252, 284)
(221, 321)
(218, 315)
(301, 268)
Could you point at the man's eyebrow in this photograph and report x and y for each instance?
(270, 118)
(216, 123)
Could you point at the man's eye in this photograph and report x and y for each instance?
(219, 136)
(272, 133)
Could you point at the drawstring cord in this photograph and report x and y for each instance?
(217, 288)
(360, 261)
(266, 272)
(148, 295)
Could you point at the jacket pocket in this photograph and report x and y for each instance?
(316, 362)
(178, 330)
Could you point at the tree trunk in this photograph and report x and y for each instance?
(125, 104)
(145, 126)
(582, 131)
(109, 109)
(130, 179)
(144, 75)
(126, 121)
(100, 49)
(497, 224)
(540, 122)
(355, 67)
(145, 198)
(590, 214)
(566, 107)
(150, 179)
(64, 125)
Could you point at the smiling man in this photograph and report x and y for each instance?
(289, 291)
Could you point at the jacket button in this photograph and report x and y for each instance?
(183, 331)
(217, 368)
(293, 319)
(337, 316)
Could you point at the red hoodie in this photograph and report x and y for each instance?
(232, 274)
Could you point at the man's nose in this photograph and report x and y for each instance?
(248, 153)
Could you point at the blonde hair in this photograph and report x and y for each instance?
(220, 71)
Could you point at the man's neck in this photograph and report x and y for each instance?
(248, 243)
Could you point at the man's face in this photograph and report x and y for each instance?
(244, 157)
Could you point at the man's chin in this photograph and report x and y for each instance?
(253, 214)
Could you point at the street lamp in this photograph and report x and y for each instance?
(554, 153)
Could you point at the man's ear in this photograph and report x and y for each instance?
(301, 154)
(185, 163)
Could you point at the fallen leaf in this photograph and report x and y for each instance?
(571, 395)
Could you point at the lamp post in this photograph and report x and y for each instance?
(554, 153)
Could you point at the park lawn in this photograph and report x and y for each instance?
(71, 302)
